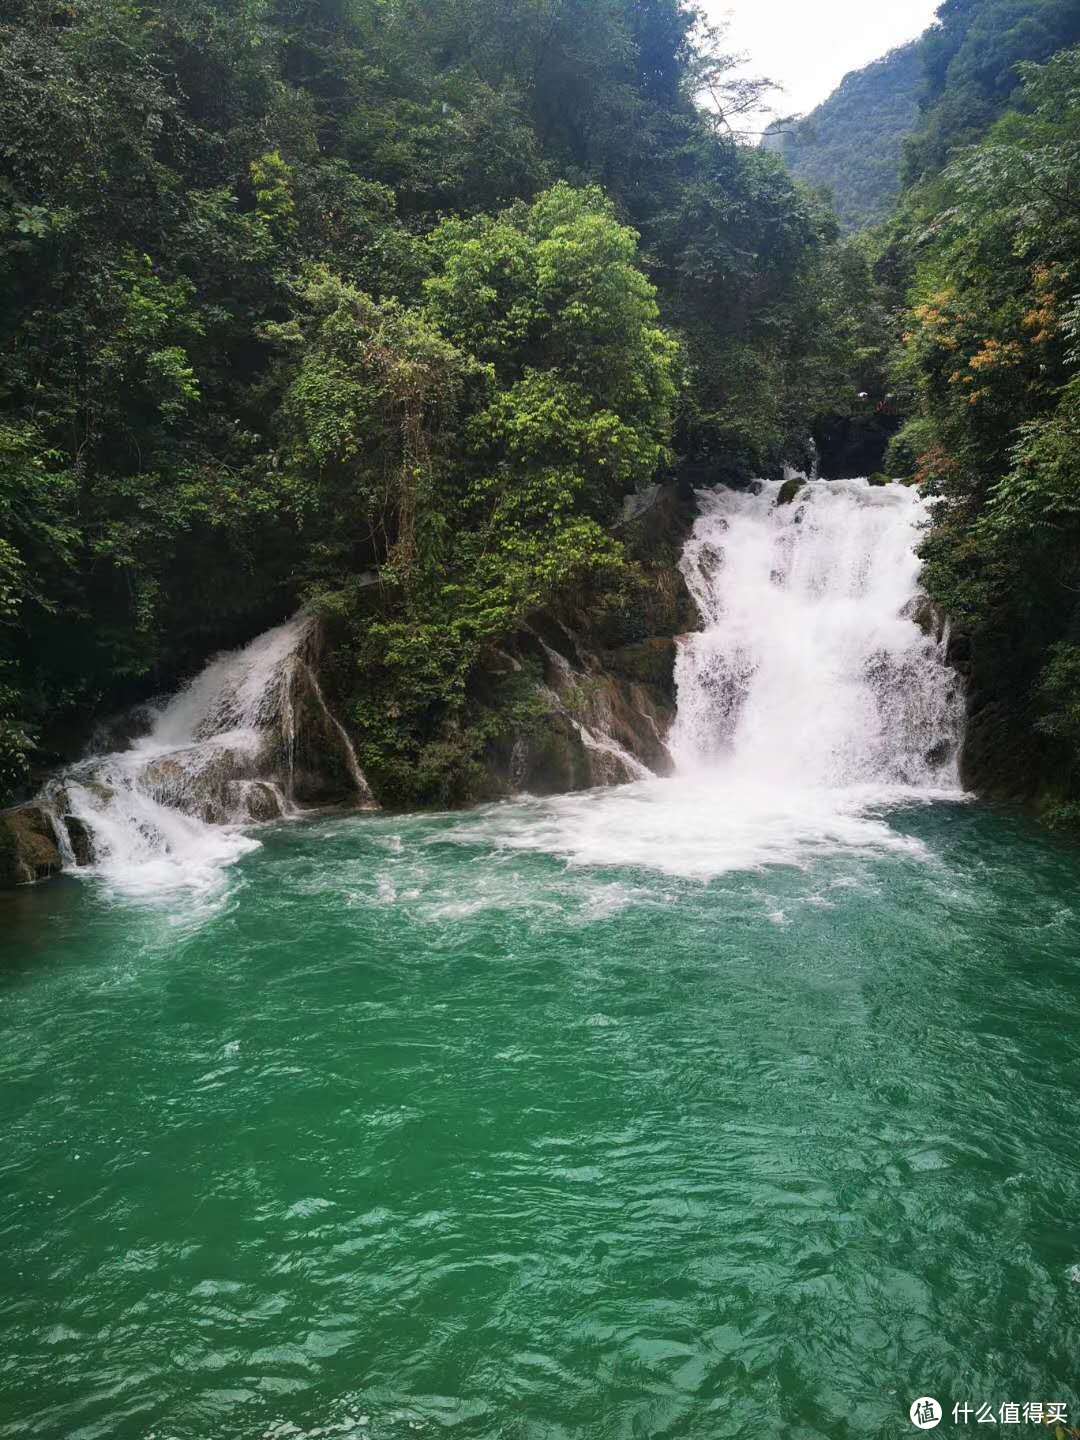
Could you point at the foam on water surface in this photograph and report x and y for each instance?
(810, 704)
(173, 810)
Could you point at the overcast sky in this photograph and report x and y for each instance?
(808, 46)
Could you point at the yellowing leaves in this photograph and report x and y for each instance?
(996, 355)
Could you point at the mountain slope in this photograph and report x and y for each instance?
(970, 61)
(852, 143)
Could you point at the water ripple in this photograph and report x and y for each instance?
(550, 1151)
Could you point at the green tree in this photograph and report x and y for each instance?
(302, 292)
(990, 360)
(471, 449)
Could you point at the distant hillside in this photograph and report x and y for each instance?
(898, 122)
(853, 142)
(970, 71)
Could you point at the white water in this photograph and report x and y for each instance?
(174, 808)
(610, 750)
(810, 705)
(811, 671)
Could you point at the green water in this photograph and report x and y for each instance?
(408, 1130)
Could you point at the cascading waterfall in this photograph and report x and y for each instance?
(812, 706)
(218, 756)
(811, 670)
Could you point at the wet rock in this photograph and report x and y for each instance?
(29, 851)
(605, 679)
(192, 783)
(553, 761)
(652, 662)
(211, 782)
(791, 490)
(637, 719)
(600, 721)
(635, 507)
(929, 617)
(257, 801)
(320, 762)
(923, 613)
(81, 839)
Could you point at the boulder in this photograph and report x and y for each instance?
(29, 851)
(82, 841)
(258, 801)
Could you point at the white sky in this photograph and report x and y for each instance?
(808, 46)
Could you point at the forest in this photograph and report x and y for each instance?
(852, 144)
(384, 309)
(306, 292)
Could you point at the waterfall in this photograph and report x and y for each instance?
(811, 670)
(247, 740)
(813, 708)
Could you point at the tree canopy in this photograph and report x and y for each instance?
(989, 368)
(304, 292)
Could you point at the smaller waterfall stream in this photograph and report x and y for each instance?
(220, 755)
(612, 763)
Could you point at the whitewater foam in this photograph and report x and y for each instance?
(810, 706)
(174, 809)
(811, 670)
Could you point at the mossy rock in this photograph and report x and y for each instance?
(791, 490)
(28, 848)
(652, 662)
(548, 758)
(556, 760)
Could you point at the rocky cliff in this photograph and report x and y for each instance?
(604, 682)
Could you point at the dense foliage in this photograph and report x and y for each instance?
(852, 144)
(895, 123)
(990, 369)
(374, 304)
(971, 59)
